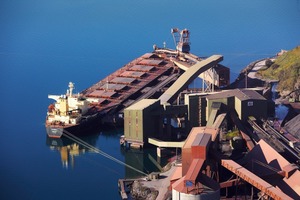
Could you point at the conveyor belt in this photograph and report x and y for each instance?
(188, 76)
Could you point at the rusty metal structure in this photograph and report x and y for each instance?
(196, 177)
(255, 180)
(262, 168)
(260, 172)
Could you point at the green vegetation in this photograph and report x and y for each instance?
(286, 69)
(232, 134)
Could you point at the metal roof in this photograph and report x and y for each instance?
(293, 126)
(102, 93)
(177, 173)
(123, 80)
(292, 182)
(242, 94)
(143, 68)
(112, 86)
(151, 62)
(189, 142)
(251, 94)
(188, 76)
(142, 104)
(202, 139)
(150, 55)
(265, 154)
(204, 185)
(132, 74)
(192, 135)
(194, 170)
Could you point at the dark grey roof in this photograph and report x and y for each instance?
(293, 126)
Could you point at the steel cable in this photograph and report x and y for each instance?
(96, 150)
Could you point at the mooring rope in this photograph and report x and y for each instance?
(96, 150)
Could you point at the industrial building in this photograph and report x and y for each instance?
(148, 118)
(153, 118)
(213, 159)
(204, 108)
(200, 177)
(245, 102)
(142, 119)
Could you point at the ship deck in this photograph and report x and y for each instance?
(140, 78)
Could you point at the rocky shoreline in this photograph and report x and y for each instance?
(253, 80)
(241, 82)
(156, 188)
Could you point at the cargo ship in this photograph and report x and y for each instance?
(102, 104)
(141, 78)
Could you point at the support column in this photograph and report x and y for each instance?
(158, 152)
(169, 130)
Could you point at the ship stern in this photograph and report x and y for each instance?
(54, 132)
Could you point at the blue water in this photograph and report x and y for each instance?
(44, 44)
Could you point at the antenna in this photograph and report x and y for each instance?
(107, 84)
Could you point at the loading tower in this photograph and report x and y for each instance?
(181, 39)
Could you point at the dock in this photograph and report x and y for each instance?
(122, 184)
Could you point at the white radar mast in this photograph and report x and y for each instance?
(71, 86)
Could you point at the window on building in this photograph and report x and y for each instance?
(250, 103)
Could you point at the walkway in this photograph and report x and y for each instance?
(160, 143)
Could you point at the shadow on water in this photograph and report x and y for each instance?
(145, 160)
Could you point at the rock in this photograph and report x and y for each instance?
(140, 192)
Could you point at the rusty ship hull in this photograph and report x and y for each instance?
(144, 77)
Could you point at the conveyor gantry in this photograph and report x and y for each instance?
(188, 76)
(255, 180)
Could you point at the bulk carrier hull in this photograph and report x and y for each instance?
(103, 103)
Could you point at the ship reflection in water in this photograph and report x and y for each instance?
(144, 160)
(70, 149)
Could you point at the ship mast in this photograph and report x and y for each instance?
(71, 86)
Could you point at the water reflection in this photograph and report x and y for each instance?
(281, 111)
(145, 160)
(107, 145)
(274, 91)
(69, 149)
